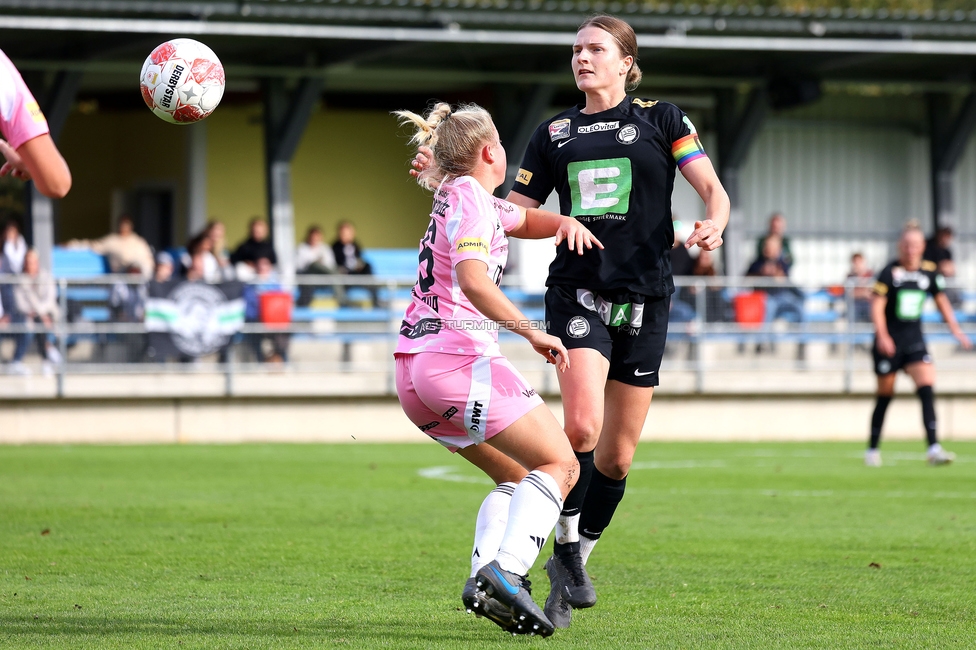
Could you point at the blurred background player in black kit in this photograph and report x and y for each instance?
(900, 294)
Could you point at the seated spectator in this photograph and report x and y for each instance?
(704, 267)
(123, 249)
(347, 252)
(164, 267)
(314, 257)
(256, 246)
(14, 246)
(781, 302)
(6, 288)
(128, 299)
(36, 301)
(202, 246)
(937, 247)
(217, 233)
(947, 268)
(682, 309)
(268, 347)
(863, 293)
(349, 255)
(777, 228)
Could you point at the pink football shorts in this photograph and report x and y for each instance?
(461, 400)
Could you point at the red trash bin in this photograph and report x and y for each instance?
(750, 309)
(274, 308)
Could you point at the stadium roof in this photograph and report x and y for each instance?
(892, 18)
(389, 44)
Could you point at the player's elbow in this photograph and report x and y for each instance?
(55, 186)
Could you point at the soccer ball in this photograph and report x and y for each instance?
(182, 81)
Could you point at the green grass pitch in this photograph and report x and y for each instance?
(366, 546)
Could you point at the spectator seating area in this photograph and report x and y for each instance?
(359, 319)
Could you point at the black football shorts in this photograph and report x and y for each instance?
(629, 329)
(913, 351)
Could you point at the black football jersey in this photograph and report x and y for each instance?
(614, 172)
(906, 292)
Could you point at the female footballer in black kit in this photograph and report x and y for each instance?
(612, 161)
(899, 296)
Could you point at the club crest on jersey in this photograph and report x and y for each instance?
(559, 130)
(628, 134)
(598, 127)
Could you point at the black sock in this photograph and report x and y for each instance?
(601, 502)
(877, 420)
(574, 500)
(927, 397)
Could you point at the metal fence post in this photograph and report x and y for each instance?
(851, 325)
(394, 330)
(61, 331)
(698, 338)
(229, 369)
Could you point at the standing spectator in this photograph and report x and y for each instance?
(36, 299)
(860, 273)
(28, 149)
(781, 302)
(14, 246)
(777, 228)
(123, 249)
(937, 247)
(349, 255)
(938, 252)
(314, 257)
(256, 246)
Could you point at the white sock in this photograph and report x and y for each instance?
(934, 449)
(535, 508)
(586, 547)
(567, 529)
(490, 527)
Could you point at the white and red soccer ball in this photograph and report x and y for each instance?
(182, 81)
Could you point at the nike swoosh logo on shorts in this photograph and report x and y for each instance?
(638, 373)
(560, 145)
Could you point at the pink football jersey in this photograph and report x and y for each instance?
(466, 223)
(21, 118)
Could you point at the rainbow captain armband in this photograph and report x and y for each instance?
(687, 149)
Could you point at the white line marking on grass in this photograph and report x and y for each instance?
(808, 494)
(449, 473)
(678, 464)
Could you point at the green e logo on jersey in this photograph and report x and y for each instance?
(600, 186)
(909, 304)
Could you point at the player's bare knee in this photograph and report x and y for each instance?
(616, 467)
(583, 436)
